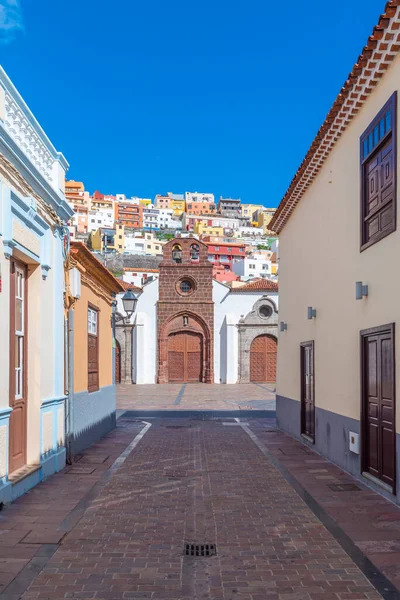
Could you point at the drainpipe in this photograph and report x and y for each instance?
(70, 384)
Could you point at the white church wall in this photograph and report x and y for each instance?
(228, 308)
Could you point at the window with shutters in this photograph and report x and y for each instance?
(378, 176)
(93, 349)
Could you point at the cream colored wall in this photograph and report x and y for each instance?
(320, 261)
(38, 355)
(81, 340)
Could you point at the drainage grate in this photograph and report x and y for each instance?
(200, 550)
(344, 487)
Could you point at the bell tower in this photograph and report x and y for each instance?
(185, 313)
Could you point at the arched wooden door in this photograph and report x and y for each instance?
(117, 362)
(185, 357)
(263, 352)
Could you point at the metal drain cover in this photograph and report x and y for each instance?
(200, 550)
(344, 487)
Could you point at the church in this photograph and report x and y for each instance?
(190, 328)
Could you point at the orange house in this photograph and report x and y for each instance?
(90, 382)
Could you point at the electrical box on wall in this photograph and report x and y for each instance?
(354, 442)
(75, 283)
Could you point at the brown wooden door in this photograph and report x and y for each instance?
(184, 357)
(263, 352)
(18, 365)
(307, 390)
(117, 362)
(378, 401)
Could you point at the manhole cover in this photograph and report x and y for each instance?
(80, 470)
(200, 550)
(344, 487)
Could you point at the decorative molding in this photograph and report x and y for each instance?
(8, 246)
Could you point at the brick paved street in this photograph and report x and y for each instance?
(251, 396)
(114, 527)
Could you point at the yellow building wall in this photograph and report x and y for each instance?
(96, 240)
(201, 229)
(319, 264)
(81, 339)
(178, 206)
(145, 201)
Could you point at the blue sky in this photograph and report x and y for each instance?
(150, 96)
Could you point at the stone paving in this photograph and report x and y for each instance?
(115, 524)
(196, 396)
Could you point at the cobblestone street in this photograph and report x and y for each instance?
(115, 524)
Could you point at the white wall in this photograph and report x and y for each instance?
(228, 309)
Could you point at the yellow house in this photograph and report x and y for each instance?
(145, 201)
(249, 209)
(178, 206)
(201, 228)
(262, 217)
(90, 379)
(108, 240)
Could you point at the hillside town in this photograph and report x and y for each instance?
(240, 244)
(198, 395)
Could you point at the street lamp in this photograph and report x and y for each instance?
(129, 302)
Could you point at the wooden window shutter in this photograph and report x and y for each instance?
(378, 176)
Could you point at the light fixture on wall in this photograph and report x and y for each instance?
(361, 290)
(311, 312)
(283, 326)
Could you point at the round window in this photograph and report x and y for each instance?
(265, 311)
(186, 286)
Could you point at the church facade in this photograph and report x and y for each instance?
(189, 328)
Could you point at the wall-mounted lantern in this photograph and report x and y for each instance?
(283, 326)
(311, 312)
(361, 290)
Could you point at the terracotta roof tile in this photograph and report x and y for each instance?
(257, 285)
(372, 63)
(130, 286)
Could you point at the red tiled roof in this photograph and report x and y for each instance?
(130, 286)
(92, 263)
(381, 48)
(257, 285)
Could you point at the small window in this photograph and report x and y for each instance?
(378, 176)
(265, 311)
(92, 321)
(185, 286)
(229, 249)
(216, 247)
(93, 350)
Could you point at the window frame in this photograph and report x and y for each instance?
(392, 134)
(93, 334)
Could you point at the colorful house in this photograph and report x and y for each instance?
(33, 233)
(90, 376)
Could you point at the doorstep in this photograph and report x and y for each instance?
(21, 473)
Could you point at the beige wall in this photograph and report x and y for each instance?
(320, 261)
(81, 340)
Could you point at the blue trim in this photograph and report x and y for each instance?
(25, 250)
(5, 413)
(8, 246)
(53, 401)
(29, 216)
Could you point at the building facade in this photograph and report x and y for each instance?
(230, 207)
(200, 197)
(339, 364)
(91, 402)
(190, 328)
(33, 217)
(129, 214)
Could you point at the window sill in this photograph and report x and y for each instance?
(378, 482)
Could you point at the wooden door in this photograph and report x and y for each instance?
(93, 349)
(307, 390)
(117, 362)
(18, 365)
(263, 351)
(378, 404)
(184, 357)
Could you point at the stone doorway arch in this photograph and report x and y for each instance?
(262, 320)
(192, 336)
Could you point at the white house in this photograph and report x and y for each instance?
(101, 217)
(139, 276)
(254, 266)
(33, 246)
